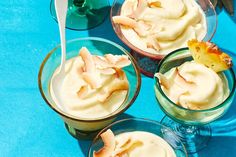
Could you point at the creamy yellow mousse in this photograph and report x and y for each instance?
(93, 86)
(161, 26)
(134, 144)
(194, 86)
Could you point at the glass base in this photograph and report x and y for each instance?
(194, 137)
(84, 14)
(81, 135)
(147, 65)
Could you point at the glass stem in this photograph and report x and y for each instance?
(81, 6)
(188, 129)
(78, 3)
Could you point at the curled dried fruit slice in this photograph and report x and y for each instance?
(101, 62)
(90, 74)
(113, 87)
(154, 4)
(88, 60)
(92, 80)
(120, 73)
(139, 27)
(123, 20)
(153, 43)
(108, 139)
(111, 58)
(111, 61)
(123, 62)
(210, 55)
(107, 71)
(163, 80)
(83, 91)
(141, 5)
(127, 147)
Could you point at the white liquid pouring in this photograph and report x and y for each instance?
(61, 11)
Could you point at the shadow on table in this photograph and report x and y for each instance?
(222, 143)
(101, 11)
(85, 144)
(227, 123)
(220, 146)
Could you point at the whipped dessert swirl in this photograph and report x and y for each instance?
(161, 26)
(93, 86)
(194, 86)
(134, 144)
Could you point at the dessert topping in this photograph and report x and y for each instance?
(112, 148)
(108, 139)
(209, 55)
(95, 66)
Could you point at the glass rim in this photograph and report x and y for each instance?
(107, 117)
(150, 55)
(139, 120)
(157, 85)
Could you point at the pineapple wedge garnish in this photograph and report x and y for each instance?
(210, 55)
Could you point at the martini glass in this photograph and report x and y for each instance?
(192, 126)
(84, 14)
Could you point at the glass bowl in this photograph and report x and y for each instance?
(138, 124)
(84, 14)
(147, 61)
(80, 127)
(190, 124)
(183, 115)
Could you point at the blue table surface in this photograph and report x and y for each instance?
(28, 127)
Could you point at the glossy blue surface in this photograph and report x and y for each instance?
(28, 127)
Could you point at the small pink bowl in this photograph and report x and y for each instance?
(148, 62)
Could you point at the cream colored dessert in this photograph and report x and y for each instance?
(194, 86)
(93, 86)
(134, 144)
(161, 26)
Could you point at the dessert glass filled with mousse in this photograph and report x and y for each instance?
(136, 137)
(101, 80)
(194, 86)
(154, 28)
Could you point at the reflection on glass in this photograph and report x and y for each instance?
(84, 14)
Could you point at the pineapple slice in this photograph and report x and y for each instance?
(210, 55)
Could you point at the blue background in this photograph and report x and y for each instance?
(28, 127)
